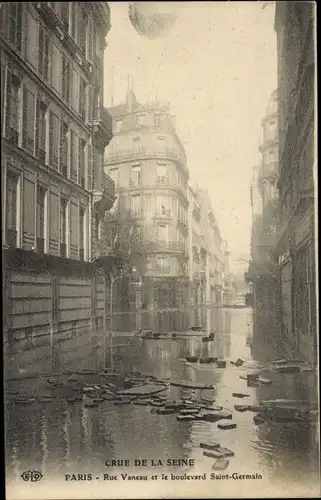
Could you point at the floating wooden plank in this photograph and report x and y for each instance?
(240, 395)
(220, 464)
(143, 390)
(226, 425)
(216, 453)
(210, 445)
(185, 418)
(226, 452)
(190, 385)
(241, 408)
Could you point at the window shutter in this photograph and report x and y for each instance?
(74, 157)
(37, 126)
(56, 68)
(31, 39)
(90, 103)
(75, 90)
(89, 167)
(90, 40)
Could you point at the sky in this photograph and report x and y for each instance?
(217, 69)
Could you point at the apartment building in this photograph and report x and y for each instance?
(295, 250)
(263, 272)
(147, 162)
(197, 261)
(55, 192)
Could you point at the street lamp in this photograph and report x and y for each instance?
(112, 282)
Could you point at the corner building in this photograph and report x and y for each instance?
(55, 193)
(147, 162)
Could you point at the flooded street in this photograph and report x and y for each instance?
(59, 439)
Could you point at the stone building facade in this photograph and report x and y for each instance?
(295, 250)
(147, 162)
(263, 272)
(55, 192)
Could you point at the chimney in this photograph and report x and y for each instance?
(130, 98)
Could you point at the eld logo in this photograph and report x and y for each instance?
(31, 475)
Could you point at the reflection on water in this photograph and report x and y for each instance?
(59, 438)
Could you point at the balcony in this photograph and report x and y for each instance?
(145, 152)
(104, 194)
(103, 125)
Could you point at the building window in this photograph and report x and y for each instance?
(136, 205)
(97, 44)
(43, 53)
(12, 107)
(73, 156)
(64, 135)
(12, 209)
(56, 68)
(31, 43)
(114, 175)
(162, 233)
(66, 74)
(141, 120)
(82, 98)
(136, 175)
(81, 233)
(83, 32)
(41, 218)
(53, 140)
(14, 25)
(162, 265)
(162, 174)
(63, 227)
(65, 14)
(163, 205)
(148, 205)
(28, 120)
(82, 159)
(136, 234)
(157, 119)
(74, 20)
(97, 227)
(41, 130)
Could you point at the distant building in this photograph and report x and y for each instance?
(147, 162)
(197, 260)
(263, 273)
(295, 250)
(55, 192)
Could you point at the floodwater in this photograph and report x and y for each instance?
(65, 439)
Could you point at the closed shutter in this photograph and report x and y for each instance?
(90, 40)
(75, 91)
(56, 68)
(89, 168)
(31, 39)
(73, 156)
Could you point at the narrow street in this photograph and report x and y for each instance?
(59, 438)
